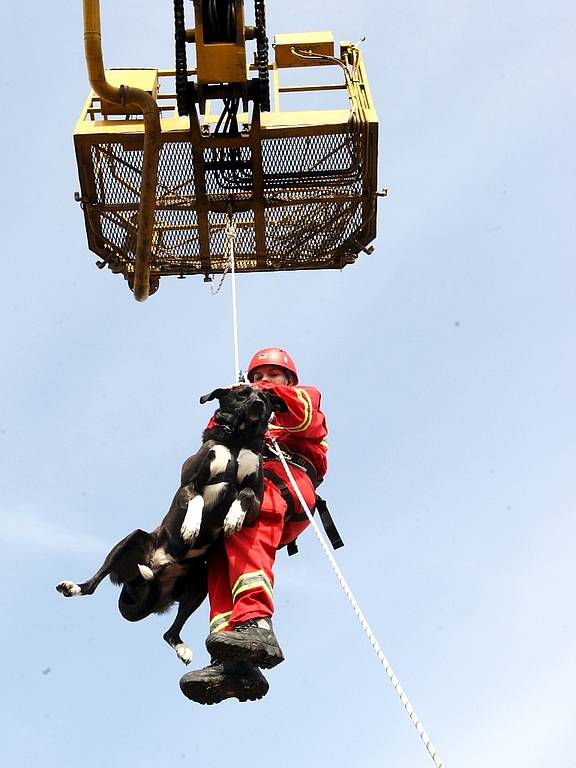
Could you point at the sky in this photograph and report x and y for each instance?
(447, 369)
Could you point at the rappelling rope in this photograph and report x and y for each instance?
(365, 626)
(230, 236)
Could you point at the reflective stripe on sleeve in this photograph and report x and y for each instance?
(306, 401)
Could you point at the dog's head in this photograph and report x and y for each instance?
(244, 408)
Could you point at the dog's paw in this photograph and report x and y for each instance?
(191, 526)
(184, 653)
(68, 588)
(234, 519)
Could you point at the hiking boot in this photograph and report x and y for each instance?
(224, 680)
(252, 640)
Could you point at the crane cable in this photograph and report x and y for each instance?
(230, 239)
(230, 236)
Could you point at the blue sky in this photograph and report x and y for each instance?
(447, 369)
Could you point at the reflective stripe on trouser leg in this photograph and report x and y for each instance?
(256, 580)
(220, 622)
(251, 553)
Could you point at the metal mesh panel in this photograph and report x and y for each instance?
(312, 204)
(228, 171)
(300, 161)
(309, 235)
(176, 174)
(244, 243)
(176, 246)
(117, 174)
(119, 233)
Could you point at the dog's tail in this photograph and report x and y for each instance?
(138, 598)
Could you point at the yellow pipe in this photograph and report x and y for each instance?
(146, 103)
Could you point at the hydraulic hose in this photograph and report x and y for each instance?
(125, 95)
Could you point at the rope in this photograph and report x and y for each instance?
(230, 234)
(365, 626)
(230, 237)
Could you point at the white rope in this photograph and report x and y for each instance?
(218, 288)
(365, 626)
(230, 237)
(230, 234)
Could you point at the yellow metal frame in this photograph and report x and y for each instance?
(156, 188)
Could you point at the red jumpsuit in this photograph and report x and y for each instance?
(240, 578)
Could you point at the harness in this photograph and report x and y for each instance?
(297, 460)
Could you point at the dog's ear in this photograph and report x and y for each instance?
(216, 394)
(278, 403)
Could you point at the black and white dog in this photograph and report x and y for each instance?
(221, 490)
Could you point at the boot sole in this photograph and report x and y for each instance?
(203, 693)
(224, 648)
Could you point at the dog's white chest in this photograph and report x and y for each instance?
(220, 461)
(218, 465)
(248, 463)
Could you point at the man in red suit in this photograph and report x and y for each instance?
(240, 576)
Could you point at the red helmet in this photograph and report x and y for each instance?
(273, 356)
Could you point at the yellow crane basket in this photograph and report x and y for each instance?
(157, 188)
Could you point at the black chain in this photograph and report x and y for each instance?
(262, 55)
(181, 65)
